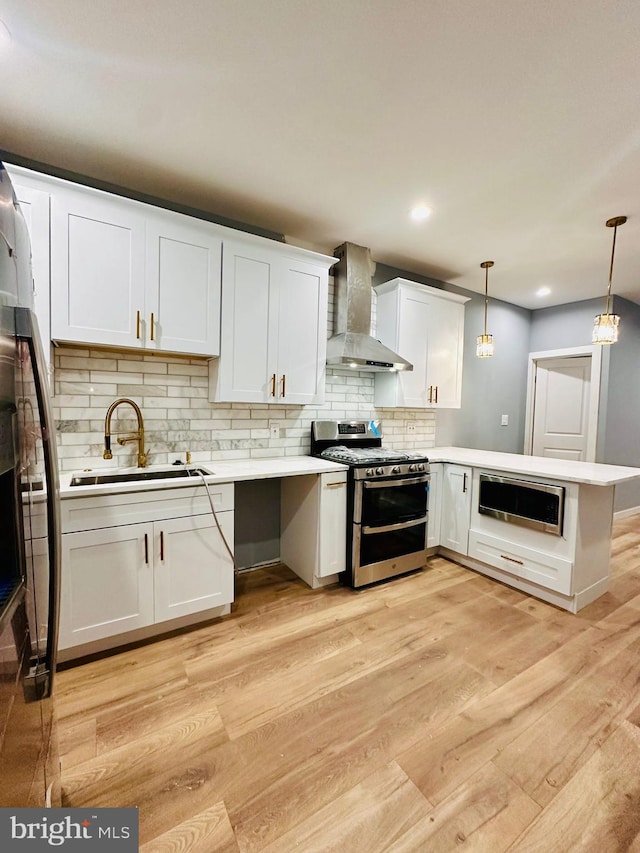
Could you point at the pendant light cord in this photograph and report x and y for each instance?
(486, 297)
(486, 266)
(612, 223)
(613, 251)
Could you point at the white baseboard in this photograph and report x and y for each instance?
(625, 513)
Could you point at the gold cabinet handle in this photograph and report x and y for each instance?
(436, 400)
(430, 393)
(284, 385)
(512, 559)
(273, 385)
(335, 485)
(138, 325)
(153, 328)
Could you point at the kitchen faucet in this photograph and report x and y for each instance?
(123, 439)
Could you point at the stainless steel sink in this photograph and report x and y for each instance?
(141, 474)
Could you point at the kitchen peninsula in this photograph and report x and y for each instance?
(563, 560)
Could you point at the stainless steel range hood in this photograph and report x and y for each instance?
(352, 344)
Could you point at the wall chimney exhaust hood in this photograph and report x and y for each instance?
(352, 344)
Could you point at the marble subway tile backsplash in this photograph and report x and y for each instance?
(172, 392)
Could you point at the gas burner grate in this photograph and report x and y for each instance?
(366, 454)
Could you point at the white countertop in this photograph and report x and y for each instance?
(290, 466)
(593, 473)
(222, 472)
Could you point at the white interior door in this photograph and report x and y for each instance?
(561, 408)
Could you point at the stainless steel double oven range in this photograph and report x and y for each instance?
(387, 500)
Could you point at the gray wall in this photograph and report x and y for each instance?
(622, 430)
(491, 387)
(564, 325)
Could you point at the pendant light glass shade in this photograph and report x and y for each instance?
(605, 326)
(484, 347)
(605, 329)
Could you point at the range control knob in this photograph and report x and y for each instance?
(369, 472)
(413, 468)
(395, 469)
(421, 467)
(379, 471)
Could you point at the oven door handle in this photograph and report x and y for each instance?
(395, 482)
(401, 525)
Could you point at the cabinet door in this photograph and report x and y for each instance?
(107, 583)
(182, 296)
(302, 332)
(456, 508)
(413, 344)
(332, 540)
(446, 340)
(97, 268)
(246, 371)
(194, 572)
(435, 505)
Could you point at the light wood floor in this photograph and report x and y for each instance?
(440, 711)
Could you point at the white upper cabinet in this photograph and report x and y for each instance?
(274, 315)
(127, 274)
(182, 295)
(97, 268)
(425, 325)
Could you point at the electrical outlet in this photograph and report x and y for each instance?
(411, 427)
(274, 429)
(505, 420)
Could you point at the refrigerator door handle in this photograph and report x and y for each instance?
(27, 331)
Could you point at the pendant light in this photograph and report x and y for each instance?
(605, 326)
(484, 348)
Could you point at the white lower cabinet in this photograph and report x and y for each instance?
(121, 577)
(546, 570)
(456, 508)
(313, 526)
(332, 539)
(434, 505)
(107, 583)
(192, 565)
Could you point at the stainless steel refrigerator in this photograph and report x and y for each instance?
(29, 532)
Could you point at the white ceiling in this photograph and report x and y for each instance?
(518, 122)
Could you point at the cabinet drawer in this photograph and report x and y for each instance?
(544, 569)
(93, 513)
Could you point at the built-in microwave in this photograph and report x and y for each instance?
(524, 502)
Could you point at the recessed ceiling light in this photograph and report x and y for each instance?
(5, 36)
(543, 291)
(420, 212)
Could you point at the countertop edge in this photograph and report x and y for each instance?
(567, 470)
(236, 470)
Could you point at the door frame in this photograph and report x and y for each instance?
(594, 397)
